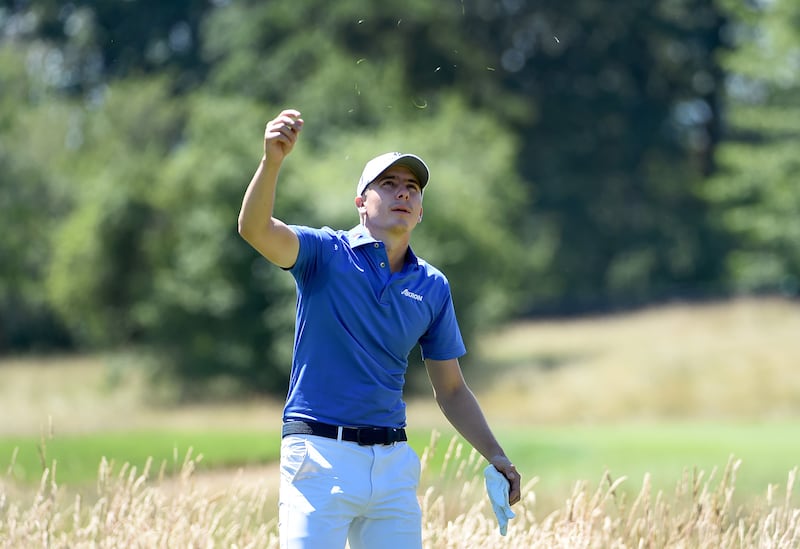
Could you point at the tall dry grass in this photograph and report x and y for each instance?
(142, 509)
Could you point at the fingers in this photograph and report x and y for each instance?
(281, 133)
(514, 480)
(515, 491)
(512, 475)
(289, 119)
(287, 124)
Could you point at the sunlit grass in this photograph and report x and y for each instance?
(85, 394)
(718, 362)
(559, 455)
(658, 397)
(133, 507)
(723, 361)
(78, 456)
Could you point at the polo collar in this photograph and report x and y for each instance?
(359, 236)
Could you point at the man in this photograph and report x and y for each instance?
(364, 300)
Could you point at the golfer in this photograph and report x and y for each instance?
(364, 299)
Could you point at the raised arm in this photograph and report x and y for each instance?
(460, 407)
(271, 237)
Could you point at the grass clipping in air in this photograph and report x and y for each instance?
(144, 509)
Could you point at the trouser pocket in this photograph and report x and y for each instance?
(294, 457)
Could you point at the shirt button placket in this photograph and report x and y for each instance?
(383, 263)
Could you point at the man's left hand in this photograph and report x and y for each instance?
(504, 465)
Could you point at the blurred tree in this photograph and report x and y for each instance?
(50, 51)
(101, 264)
(353, 63)
(617, 108)
(627, 119)
(84, 43)
(31, 202)
(215, 312)
(756, 192)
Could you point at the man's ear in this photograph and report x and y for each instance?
(360, 203)
(420, 216)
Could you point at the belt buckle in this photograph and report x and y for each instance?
(372, 430)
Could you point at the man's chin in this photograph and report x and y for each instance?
(396, 227)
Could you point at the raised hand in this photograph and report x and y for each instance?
(281, 134)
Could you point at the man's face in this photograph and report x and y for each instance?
(393, 201)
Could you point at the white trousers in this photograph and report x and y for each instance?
(333, 492)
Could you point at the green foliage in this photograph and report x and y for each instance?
(352, 64)
(613, 156)
(31, 202)
(755, 192)
(102, 257)
(572, 157)
(217, 309)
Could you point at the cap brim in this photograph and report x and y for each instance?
(416, 165)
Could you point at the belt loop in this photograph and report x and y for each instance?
(339, 433)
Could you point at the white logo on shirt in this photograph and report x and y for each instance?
(412, 295)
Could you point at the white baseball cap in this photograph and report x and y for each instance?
(381, 163)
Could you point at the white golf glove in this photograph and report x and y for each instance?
(497, 488)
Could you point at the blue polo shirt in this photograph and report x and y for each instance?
(356, 325)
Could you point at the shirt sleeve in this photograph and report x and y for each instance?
(311, 256)
(442, 340)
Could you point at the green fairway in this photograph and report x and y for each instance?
(559, 456)
(78, 457)
(562, 456)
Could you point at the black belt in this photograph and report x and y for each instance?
(364, 436)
